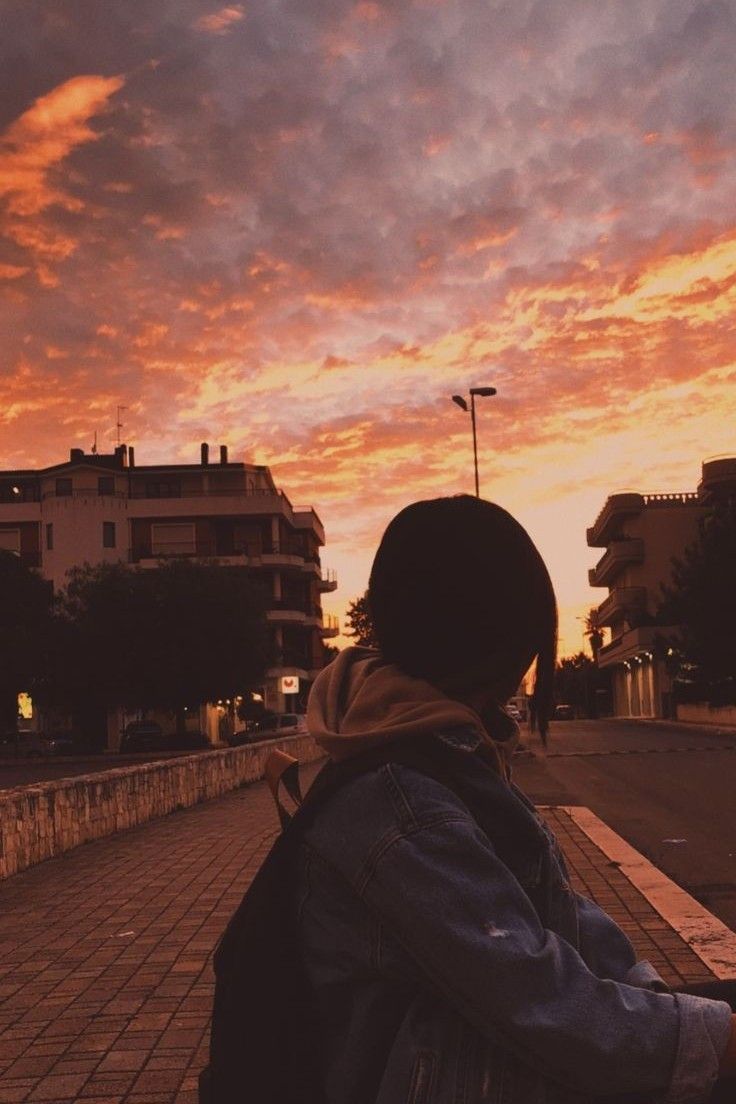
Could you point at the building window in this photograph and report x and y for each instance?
(64, 486)
(50, 537)
(108, 534)
(173, 539)
(10, 540)
(163, 488)
(106, 484)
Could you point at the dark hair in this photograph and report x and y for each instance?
(456, 581)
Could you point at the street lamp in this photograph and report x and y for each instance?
(484, 392)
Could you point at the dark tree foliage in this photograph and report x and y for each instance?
(25, 611)
(593, 631)
(579, 682)
(171, 637)
(360, 623)
(701, 601)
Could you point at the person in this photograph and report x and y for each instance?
(449, 959)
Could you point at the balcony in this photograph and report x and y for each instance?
(200, 550)
(327, 581)
(224, 548)
(285, 611)
(633, 643)
(330, 626)
(616, 508)
(280, 559)
(622, 602)
(718, 479)
(239, 505)
(618, 555)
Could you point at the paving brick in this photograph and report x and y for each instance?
(58, 1087)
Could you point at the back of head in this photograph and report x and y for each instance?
(458, 581)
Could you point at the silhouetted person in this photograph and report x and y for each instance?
(448, 956)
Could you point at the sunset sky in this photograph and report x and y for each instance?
(299, 227)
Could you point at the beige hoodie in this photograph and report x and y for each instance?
(360, 702)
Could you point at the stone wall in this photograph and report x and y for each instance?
(45, 819)
(702, 713)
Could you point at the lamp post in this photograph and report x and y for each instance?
(461, 402)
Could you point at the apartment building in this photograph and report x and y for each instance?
(106, 508)
(641, 533)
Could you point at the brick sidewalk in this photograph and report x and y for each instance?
(105, 974)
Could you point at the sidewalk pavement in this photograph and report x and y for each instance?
(105, 973)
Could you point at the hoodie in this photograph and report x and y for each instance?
(360, 702)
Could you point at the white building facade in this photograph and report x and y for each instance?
(104, 508)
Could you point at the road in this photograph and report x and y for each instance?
(670, 790)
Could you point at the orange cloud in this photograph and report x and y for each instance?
(35, 145)
(222, 21)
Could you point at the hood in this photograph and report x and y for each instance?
(360, 702)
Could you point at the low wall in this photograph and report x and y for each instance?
(702, 713)
(40, 821)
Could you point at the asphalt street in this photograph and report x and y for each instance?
(669, 790)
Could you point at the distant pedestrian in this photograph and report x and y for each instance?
(449, 959)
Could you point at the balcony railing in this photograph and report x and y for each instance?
(330, 625)
(618, 555)
(162, 550)
(174, 491)
(327, 580)
(622, 601)
(615, 509)
(215, 547)
(83, 492)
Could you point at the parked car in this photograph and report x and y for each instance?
(148, 736)
(142, 736)
(66, 742)
(563, 712)
(19, 745)
(270, 728)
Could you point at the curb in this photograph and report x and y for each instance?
(715, 728)
(707, 937)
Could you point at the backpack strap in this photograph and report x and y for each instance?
(281, 767)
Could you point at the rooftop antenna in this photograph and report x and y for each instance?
(94, 446)
(118, 423)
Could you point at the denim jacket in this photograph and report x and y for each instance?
(452, 963)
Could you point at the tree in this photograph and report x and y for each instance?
(581, 683)
(593, 632)
(359, 619)
(172, 637)
(701, 601)
(25, 611)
